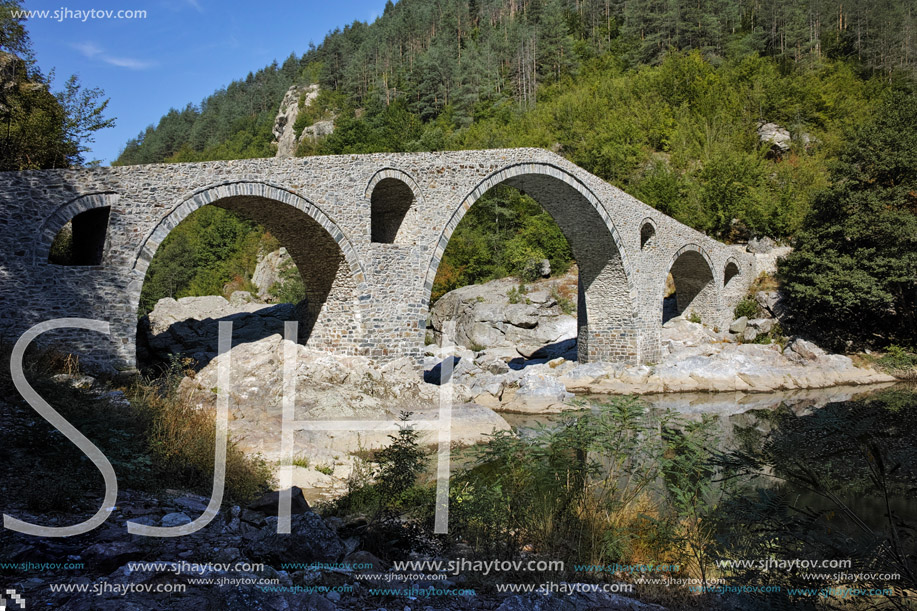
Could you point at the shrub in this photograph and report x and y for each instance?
(748, 307)
(400, 462)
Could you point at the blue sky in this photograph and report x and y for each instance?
(181, 52)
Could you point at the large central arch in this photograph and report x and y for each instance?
(331, 317)
(607, 315)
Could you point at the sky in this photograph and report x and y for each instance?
(182, 51)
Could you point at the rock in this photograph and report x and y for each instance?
(284, 134)
(761, 325)
(805, 350)
(761, 246)
(310, 540)
(176, 518)
(240, 298)
(738, 325)
(544, 268)
(485, 319)
(310, 478)
(269, 271)
(189, 325)
(191, 503)
(777, 137)
(771, 302)
(367, 561)
(538, 392)
(766, 263)
(269, 502)
(494, 366)
(750, 334)
(107, 556)
(318, 130)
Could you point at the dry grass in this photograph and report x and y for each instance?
(154, 443)
(764, 282)
(182, 440)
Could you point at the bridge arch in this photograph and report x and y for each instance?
(392, 194)
(331, 316)
(82, 206)
(607, 314)
(696, 288)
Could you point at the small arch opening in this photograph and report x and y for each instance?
(689, 288)
(647, 233)
(732, 270)
(389, 203)
(82, 240)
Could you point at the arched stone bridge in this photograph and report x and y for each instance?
(367, 233)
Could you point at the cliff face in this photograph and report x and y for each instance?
(285, 137)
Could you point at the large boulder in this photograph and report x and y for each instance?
(189, 325)
(778, 138)
(309, 540)
(497, 315)
(328, 387)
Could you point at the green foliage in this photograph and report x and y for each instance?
(853, 275)
(504, 233)
(516, 294)
(210, 248)
(154, 443)
(748, 308)
(897, 358)
(578, 491)
(291, 288)
(302, 461)
(566, 305)
(400, 463)
(694, 317)
(41, 129)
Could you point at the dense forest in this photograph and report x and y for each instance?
(663, 99)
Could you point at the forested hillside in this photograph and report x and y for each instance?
(663, 99)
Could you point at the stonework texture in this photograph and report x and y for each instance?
(365, 297)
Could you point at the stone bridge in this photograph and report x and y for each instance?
(367, 233)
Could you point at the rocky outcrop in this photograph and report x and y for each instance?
(269, 271)
(187, 325)
(284, 135)
(779, 138)
(498, 317)
(695, 359)
(328, 388)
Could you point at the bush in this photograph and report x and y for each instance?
(400, 462)
(748, 307)
(586, 490)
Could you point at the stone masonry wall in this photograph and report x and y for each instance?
(365, 297)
